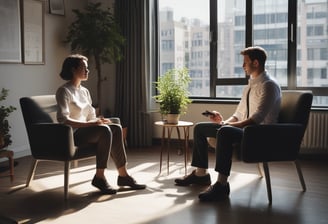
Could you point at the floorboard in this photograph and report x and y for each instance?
(163, 202)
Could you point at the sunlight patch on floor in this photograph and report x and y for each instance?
(161, 198)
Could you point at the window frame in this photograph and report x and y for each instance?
(291, 54)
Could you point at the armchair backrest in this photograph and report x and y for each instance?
(295, 107)
(48, 139)
(38, 109)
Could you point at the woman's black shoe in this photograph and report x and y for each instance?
(103, 186)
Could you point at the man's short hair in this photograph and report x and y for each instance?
(255, 53)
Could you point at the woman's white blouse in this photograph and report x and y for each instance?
(74, 103)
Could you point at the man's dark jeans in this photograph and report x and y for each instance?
(226, 137)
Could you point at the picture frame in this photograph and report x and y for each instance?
(57, 7)
(10, 38)
(33, 31)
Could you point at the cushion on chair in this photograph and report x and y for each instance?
(265, 143)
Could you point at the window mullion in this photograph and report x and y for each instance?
(249, 24)
(231, 82)
(292, 44)
(213, 47)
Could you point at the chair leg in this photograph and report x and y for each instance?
(75, 163)
(300, 174)
(268, 181)
(66, 179)
(32, 171)
(260, 169)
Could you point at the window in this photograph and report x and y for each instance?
(208, 35)
(190, 26)
(312, 49)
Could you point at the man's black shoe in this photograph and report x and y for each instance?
(103, 186)
(193, 179)
(216, 192)
(130, 182)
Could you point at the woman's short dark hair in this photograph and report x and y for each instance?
(71, 62)
(256, 53)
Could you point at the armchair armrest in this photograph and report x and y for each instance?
(274, 142)
(52, 141)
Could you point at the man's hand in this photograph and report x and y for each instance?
(217, 117)
(242, 124)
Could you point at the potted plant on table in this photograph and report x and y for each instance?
(5, 111)
(173, 94)
(96, 33)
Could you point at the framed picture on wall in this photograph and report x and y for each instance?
(10, 38)
(57, 7)
(33, 26)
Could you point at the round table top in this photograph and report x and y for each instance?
(180, 124)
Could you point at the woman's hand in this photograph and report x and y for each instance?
(102, 120)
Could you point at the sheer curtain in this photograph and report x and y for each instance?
(133, 73)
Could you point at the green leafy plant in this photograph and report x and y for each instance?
(96, 33)
(5, 111)
(173, 94)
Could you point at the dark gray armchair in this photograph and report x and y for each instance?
(281, 141)
(50, 140)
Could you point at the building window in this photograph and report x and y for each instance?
(323, 73)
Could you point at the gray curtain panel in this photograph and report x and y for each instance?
(132, 73)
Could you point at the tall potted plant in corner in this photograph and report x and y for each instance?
(173, 94)
(96, 33)
(5, 111)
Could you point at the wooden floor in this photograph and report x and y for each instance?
(162, 201)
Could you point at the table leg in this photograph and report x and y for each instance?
(169, 133)
(162, 146)
(180, 145)
(186, 137)
(165, 143)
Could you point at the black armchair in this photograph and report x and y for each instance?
(280, 141)
(50, 140)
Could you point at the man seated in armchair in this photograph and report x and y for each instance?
(259, 104)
